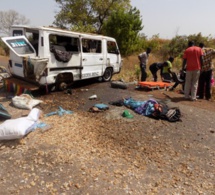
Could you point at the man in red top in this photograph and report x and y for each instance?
(193, 62)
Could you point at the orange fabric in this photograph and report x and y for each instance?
(151, 84)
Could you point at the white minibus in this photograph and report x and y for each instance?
(52, 56)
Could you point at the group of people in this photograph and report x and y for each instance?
(196, 70)
(164, 67)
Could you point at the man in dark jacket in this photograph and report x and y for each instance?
(154, 69)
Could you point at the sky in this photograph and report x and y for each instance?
(166, 18)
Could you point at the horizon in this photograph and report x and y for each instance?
(166, 18)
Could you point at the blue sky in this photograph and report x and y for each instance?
(164, 17)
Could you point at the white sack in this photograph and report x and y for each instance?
(25, 101)
(18, 128)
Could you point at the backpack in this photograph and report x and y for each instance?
(173, 114)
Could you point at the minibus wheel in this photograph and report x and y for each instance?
(107, 74)
(62, 86)
(63, 81)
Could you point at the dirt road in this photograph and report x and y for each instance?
(3, 61)
(104, 153)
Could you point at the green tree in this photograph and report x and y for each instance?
(177, 45)
(198, 38)
(125, 27)
(86, 15)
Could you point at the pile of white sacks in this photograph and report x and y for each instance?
(19, 127)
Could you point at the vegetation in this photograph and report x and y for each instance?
(161, 51)
(127, 25)
(85, 15)
(116, 18)
(9, 18)
(4, 50)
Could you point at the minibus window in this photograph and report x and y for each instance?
(20, 46)
(64, 43)
(33, 37)
(91, 46)
(17, 33)
(111, 47)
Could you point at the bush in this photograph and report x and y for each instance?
(4, 50)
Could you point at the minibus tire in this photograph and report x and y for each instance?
(118, 85)
(61, 86)
(107, 74)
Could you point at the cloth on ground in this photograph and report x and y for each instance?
(4, 113)
(145, 108)
(154, 109)
(99, 107)
(133, 104)
(59, 112)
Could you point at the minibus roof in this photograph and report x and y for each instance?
(55, 29)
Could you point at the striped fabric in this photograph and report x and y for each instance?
(15, 88)
(207, 59)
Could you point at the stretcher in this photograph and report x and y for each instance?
(154, 85)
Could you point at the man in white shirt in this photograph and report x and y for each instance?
(143, 57)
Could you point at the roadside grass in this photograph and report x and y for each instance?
(130, 71)
(2, 52)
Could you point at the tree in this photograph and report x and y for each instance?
(9, 18)
(198, 38)
(177, 45)
(86, 15)
(125, 27)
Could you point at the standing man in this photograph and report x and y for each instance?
(206, 73)
(143, 57)
(193, 59)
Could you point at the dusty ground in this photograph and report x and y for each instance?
(3, 60)
(104, 153)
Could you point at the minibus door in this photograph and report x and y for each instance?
(23, 50)
(92, 60)
(113, 56)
